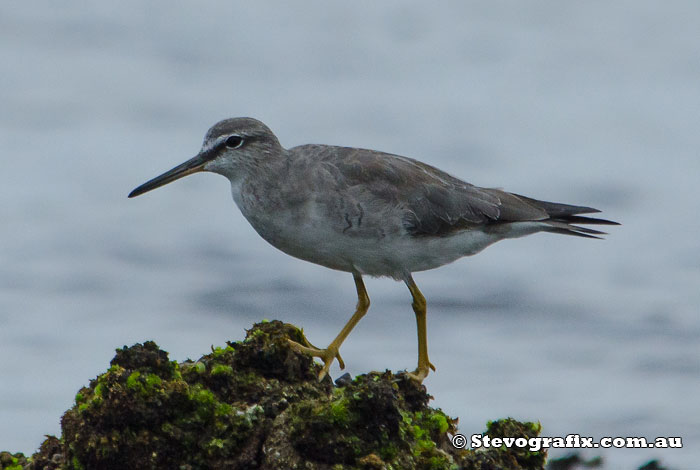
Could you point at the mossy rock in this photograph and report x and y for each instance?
(256, 404)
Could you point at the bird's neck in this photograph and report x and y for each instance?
(256, 188)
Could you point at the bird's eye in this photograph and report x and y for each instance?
(234, 141)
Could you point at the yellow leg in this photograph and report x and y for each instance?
(420, 309)
(331, 352)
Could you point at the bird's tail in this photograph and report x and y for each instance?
(563, 218)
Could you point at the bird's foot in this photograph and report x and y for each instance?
(326, 355)
(421, 372)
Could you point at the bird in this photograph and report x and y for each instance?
(366, 212)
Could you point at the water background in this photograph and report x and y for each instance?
(581, 102)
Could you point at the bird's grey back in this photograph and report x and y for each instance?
(433, 202)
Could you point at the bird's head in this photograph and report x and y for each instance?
(231, 148)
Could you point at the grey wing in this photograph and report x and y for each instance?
(447, 205)
(431, 202)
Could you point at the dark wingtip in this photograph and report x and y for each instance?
(578, 219)
(585, 235)
(576, 233)
(587, 230)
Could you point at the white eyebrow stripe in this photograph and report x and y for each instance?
(218, 141)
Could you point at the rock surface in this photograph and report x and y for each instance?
(256, 404)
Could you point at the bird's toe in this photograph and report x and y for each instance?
(420, 373)
(327, 355)
(304, 349)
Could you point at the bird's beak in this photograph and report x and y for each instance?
(193, 165)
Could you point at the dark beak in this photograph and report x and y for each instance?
(193, 165)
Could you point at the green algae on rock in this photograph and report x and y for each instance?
(256, 404)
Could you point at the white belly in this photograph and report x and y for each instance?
(392, 255)
(379, 246)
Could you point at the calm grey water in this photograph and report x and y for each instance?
(582, 102)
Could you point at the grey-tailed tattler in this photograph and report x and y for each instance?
(366, 212)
